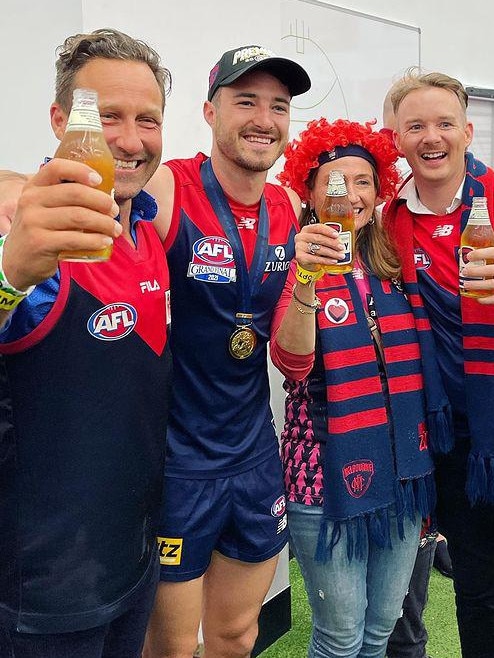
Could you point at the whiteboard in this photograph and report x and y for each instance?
(352, 58)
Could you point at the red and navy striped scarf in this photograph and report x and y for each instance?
(373, 461)
(478, 334)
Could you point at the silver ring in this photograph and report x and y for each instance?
(313, 248)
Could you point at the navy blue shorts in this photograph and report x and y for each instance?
(242, 516)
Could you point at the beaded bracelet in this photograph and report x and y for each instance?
(307, 276)
(301, 310)
(6, 287)
(315, 304)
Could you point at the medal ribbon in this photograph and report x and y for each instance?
(248, 282)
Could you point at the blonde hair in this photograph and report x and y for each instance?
(414, 79)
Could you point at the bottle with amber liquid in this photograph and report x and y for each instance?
(337, 211)
(84, 141)
(478, 234)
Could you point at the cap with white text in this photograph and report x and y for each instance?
(239, 61)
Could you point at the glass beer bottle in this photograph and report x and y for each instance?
(337, 211)
(84, 141)
(478, 234)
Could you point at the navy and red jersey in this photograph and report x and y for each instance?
(436, 243)
(83, 415)
(220, 419)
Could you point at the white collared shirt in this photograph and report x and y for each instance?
(415, 205)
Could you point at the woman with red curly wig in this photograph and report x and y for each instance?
(360, 404)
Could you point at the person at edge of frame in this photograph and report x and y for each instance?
(426, 219)
(84, 402)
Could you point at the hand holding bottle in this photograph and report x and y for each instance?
(480, 277)
(318, 245)
(53, 216)
(337, 212)
(84, 141)
(476, 254)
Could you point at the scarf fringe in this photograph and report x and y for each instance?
(412, 496)
(480, 479)
(440, 424)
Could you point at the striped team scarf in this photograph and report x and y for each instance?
(370, 464)
(478, 334)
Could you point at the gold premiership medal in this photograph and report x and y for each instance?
(242, 342)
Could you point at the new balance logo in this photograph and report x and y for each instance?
(246, 222)
(443, 230)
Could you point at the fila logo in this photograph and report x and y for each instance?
(170, 550)
(149, 286)
(443, 230)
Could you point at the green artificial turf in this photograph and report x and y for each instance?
(439, 617)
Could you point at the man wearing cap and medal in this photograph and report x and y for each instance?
(229, 242)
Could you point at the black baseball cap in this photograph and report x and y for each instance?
(239, 61)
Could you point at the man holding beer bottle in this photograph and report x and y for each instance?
(427, 218)
(85, 374)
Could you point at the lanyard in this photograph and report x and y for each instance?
(248, 282)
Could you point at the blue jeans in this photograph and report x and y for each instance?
(354, 604)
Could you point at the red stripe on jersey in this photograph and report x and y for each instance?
(349, 390)
(478, 343)
(423, 324)
(397, 322)
(405, 383)
(479, 368)
(402, 353)
(358, 420)
(345, 358)
(416, 301)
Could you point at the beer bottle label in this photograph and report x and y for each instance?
(84, 118)
(346, 240)
(463, 262)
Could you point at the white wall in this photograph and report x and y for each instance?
(190, 35)
(456, 37)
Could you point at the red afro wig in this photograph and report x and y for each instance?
(302, 154)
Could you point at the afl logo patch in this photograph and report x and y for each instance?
(213, 250)
(422, 259)
(212, 260)
(113, 321)
(336, 310)
(278, 507)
